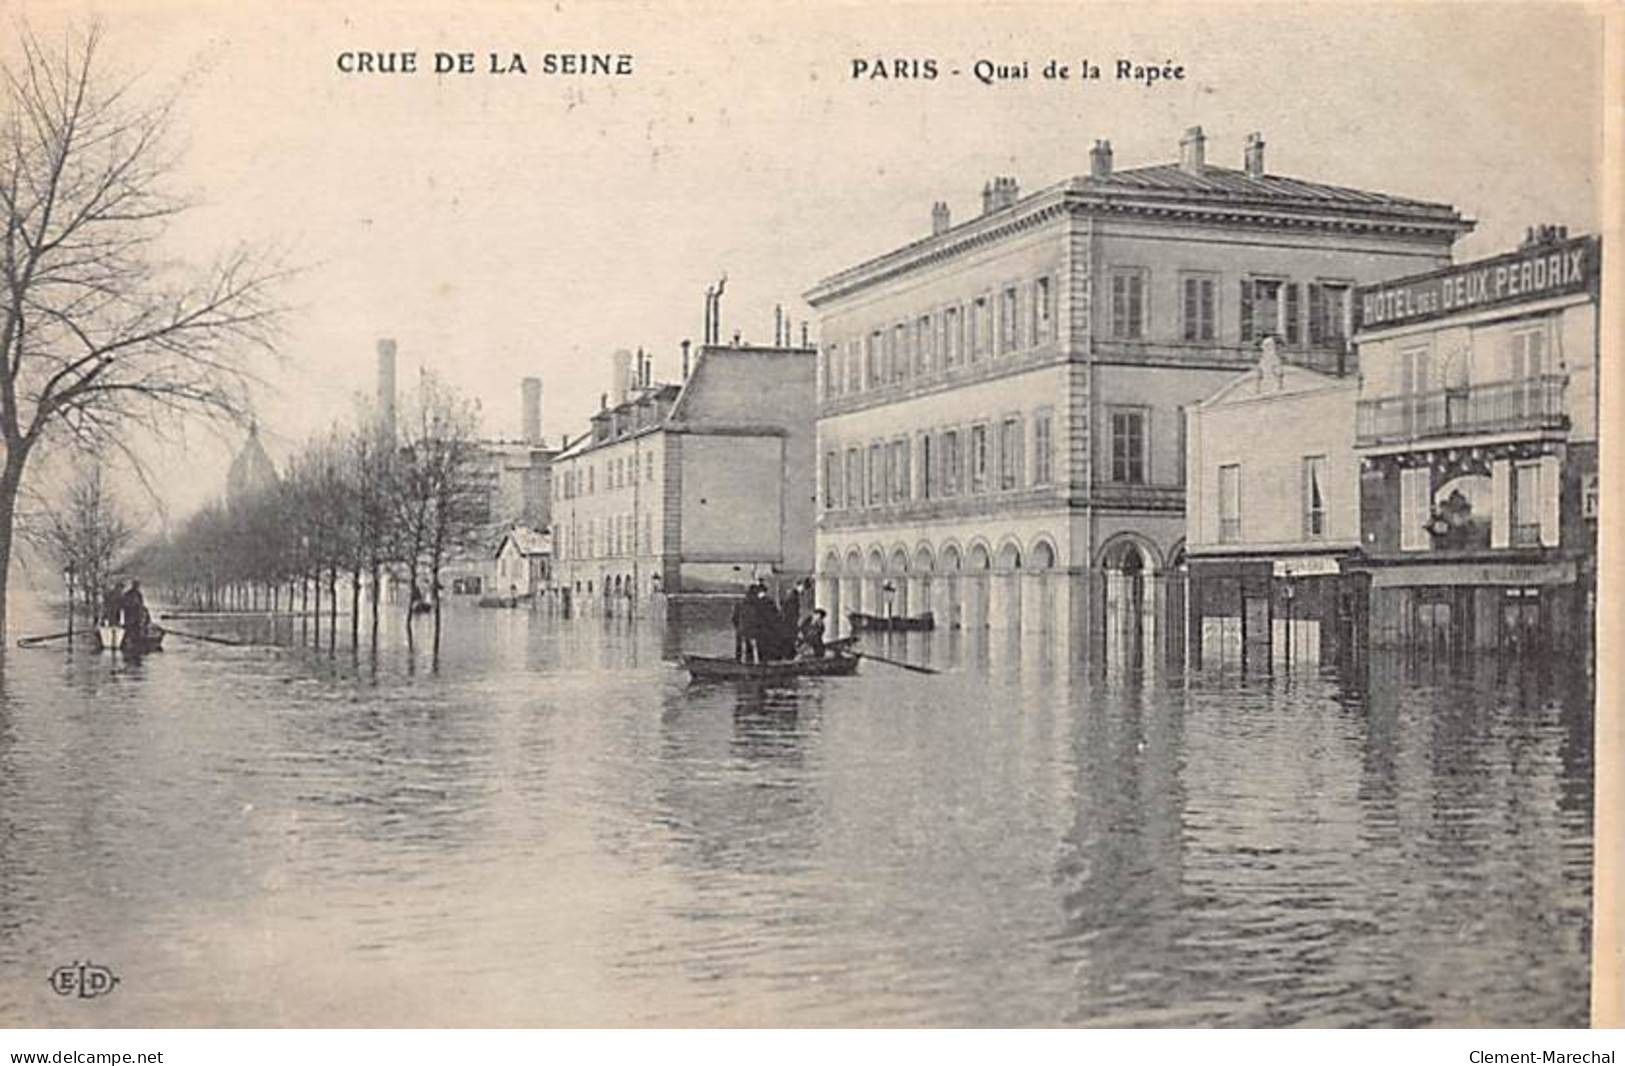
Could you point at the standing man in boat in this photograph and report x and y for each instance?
(741, 608)
(134, 609)
(112, 603)
(791, 609)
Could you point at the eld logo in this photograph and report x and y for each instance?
(84, 978)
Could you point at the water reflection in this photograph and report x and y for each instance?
(558, 828)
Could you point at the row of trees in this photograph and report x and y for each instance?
(359, 505)
(105, 326)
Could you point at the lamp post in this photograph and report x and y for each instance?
(1290, 591)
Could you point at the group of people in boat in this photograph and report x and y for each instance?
(126, 607)
(769, 631)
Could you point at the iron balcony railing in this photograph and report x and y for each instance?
(1531, 403)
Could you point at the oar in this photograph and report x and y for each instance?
(896, 662)
(200, 636)
(28, 642)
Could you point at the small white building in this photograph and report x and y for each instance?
(523, 563)
(1272, 512)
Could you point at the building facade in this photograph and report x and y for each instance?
(683, 490)
(1000, 432)
(523, 561)
(1272, 511)
(1477, 438)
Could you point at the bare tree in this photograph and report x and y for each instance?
(371, 473)
(87, 530)
(99, 332)
(442, 502)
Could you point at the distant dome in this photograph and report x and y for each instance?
(251, 472)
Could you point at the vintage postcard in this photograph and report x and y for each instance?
(891, 515)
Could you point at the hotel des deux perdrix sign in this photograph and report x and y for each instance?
(1555, 268)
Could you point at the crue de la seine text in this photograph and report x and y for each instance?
(577, 64)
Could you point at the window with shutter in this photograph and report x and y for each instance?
(1294, 324)
(1246, 304)
(1230, 503)
(1128, 446)
(1551, 486)
(1314, 496)
(1043, 310)
(1128, 303)
(1414, 512)
(1526, 504)
(928, 473)
(1043, 445)
(1501, 503)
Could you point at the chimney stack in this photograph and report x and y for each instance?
(386, 387)
(1000, 192)
(1100, 160)
(939, 218)
(1254, 155)
(685, 360)
(1192, 151)
(530, 409)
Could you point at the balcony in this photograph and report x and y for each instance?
(1501, 407)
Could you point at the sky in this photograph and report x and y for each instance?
(504, 225)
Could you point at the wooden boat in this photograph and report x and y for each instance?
(895, 623)
(117, 638)
(150, 641)
(706, 668)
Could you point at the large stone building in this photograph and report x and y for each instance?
(1477, 436)
(690, 489)
(1001, 401)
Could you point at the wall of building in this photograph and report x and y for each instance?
(733, 499)
(623, 482)
(1268, 434)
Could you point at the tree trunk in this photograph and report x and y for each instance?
(10, 482)
(411, 608)
(355, 610)
(434, 578)
(377, 594)
(332, 608)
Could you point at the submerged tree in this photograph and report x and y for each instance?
(441, 499)
(99, 331)
(86, 530)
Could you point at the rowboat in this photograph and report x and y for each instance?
(707, 668)
(117, 638)
(861, 622)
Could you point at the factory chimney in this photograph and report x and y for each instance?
(685, 360)
(621, 379)
(386, 388)
(530, 409)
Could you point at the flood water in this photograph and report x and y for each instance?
(558, 828)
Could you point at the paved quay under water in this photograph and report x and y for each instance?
(558, 828)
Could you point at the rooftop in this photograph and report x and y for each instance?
(1190, 185)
